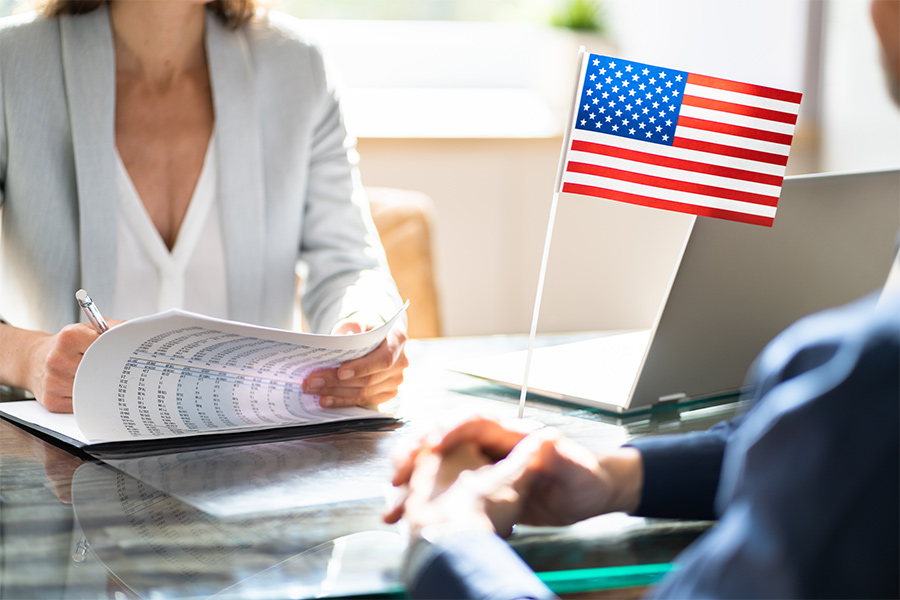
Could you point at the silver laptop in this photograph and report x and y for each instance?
(736, 287)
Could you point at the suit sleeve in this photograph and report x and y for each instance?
(348, 271)
(681, 472)
(476, 565)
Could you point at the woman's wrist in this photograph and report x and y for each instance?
(16, 361)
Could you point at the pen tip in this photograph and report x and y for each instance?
(81, 295)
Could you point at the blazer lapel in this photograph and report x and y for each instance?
(89, 71)
(240, 185)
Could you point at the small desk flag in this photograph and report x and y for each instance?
(679, 141)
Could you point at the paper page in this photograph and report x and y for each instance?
(179, 373)
(30, 411)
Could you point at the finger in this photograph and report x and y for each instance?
(390, 352)
(395, 512)
(346, 327)
(364, 396)
(494, 440)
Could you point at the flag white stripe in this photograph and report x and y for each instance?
(738, 98)
(733, 119)
(731, 140)
(682, 153)
(677, 174)
(670, 195)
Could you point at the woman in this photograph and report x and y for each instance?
(178, 154)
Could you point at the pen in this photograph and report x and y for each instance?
(90, 309)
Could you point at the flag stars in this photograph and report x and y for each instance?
(617, 96)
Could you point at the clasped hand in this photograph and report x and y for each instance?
(484, 475)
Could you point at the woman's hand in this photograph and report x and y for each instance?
(53, 361)
(372, 379)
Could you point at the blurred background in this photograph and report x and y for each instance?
(466, 102)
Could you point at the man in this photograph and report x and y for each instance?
(806, 486)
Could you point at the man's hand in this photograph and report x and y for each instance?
(372, 379)
(555, 480)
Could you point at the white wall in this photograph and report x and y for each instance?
(609, 262)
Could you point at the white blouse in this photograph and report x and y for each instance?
(149, 277)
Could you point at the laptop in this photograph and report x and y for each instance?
(735, 287)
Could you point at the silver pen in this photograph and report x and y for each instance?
(90, 309)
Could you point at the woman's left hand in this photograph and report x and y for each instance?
(372, 379)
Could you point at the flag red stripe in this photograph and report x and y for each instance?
(703, 211)
(677, 163)
(757, 155)
(747, 132)
(745, 88)
(740, 109)
(672, 184)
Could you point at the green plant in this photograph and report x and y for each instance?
(580, 15)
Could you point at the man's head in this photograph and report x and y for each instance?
(886, 18)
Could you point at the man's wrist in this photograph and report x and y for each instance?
(625, 470)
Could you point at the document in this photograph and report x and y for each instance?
(177, 374)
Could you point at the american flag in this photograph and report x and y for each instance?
(680, 141)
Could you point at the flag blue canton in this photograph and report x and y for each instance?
(630, 99)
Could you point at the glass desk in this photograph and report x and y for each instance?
(293, 519)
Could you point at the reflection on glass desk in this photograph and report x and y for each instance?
(294, 519)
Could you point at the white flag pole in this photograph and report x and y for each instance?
(582, 65)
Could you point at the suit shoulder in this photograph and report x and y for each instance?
(278, 32)
(27, 26)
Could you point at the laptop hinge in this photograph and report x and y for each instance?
(669, 398)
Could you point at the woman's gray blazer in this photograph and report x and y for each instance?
(288, 184)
